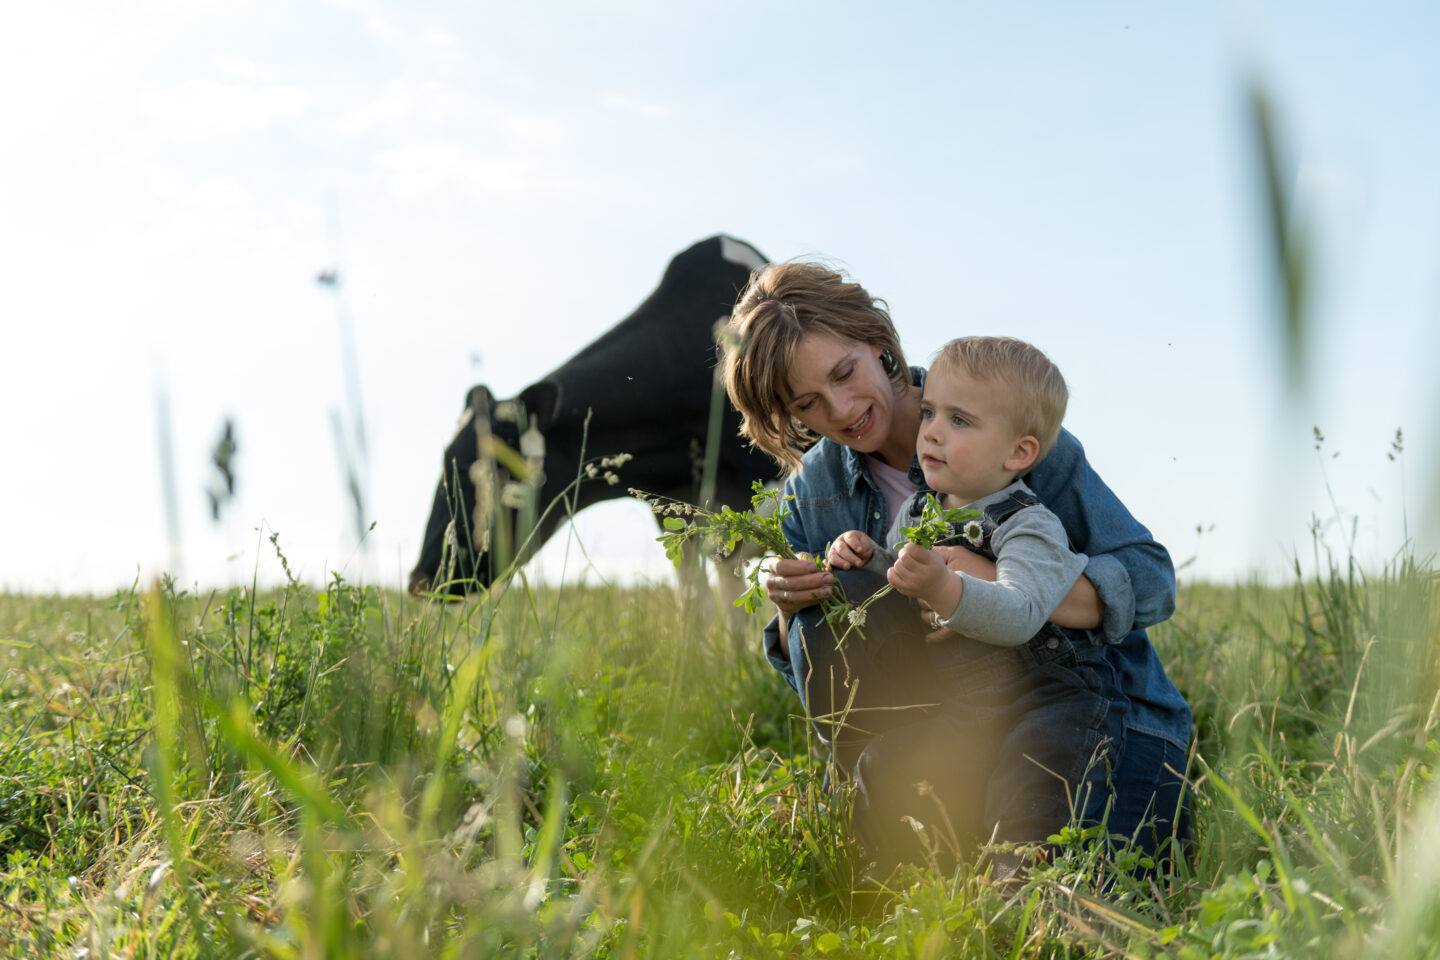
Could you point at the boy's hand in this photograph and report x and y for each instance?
(921, 574)
(851, 549)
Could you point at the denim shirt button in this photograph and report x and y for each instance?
(1051, 644)
(877, 515)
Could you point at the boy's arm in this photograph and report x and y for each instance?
(1131, 573)
(1035, 569)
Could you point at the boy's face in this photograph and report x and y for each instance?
(967, 445)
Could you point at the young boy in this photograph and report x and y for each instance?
(1023, 688)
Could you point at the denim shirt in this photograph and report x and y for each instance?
(1132, 574)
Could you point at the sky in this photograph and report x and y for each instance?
(499, 183)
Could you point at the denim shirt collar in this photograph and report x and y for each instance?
(854, 462)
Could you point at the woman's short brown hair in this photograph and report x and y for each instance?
(781, 305)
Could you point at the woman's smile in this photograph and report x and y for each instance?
(857, 429)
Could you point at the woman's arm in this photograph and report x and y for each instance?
(1131, 574)
(792, 585)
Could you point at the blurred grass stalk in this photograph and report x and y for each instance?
(177, 740)
(1369, 637)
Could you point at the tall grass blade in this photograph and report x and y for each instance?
(166, 756)
(1289, 245)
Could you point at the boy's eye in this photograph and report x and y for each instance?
(958, 420)
(926, 413)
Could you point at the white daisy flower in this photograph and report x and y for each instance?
(973, 532)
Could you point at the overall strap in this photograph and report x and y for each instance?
(1053, 642)
(997, 513)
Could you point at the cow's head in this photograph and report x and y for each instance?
(498, 478)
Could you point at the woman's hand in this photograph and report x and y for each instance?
(793, 585)
(851, 549)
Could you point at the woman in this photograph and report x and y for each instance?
(814, 365)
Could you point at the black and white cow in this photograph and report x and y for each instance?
(646, 385)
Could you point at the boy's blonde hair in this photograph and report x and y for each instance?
(782, 304)
(1038, 394)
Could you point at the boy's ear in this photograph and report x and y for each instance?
(1023, 457)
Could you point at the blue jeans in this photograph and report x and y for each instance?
(1004, 744)
(1151, 803)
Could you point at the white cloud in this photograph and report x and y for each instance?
(242, 69)
(423, 167)
(401, 104)
(212, 195)
(628, 104)
(439, 38)
(382, 29)
(228, 107)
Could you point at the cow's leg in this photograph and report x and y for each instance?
(711, 598)
(730, 582)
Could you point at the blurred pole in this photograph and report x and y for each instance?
(169, 489)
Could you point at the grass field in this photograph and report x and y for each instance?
(335, 771)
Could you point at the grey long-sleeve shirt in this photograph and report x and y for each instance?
(1034, 567)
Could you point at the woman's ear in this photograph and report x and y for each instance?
(1024, 455)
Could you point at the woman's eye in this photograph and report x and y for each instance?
(842, 377)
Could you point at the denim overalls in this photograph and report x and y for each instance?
(1011, 740)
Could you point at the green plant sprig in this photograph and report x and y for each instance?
(937, 523)
(722, 531)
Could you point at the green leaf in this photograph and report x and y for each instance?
(827, 943)
(673, 523)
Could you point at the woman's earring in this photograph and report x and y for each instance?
(887, 360)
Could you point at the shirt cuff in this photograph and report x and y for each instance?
(986, 612)
(777, 651)
(1117, 597)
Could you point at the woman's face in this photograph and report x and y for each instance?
(838, 388)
